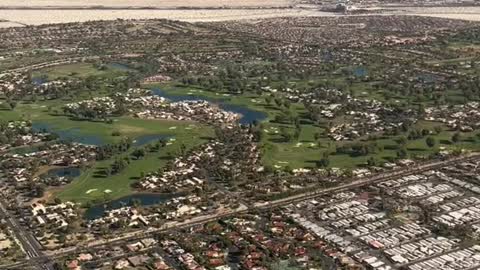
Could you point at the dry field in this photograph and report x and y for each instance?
(147, 3)
(37, 17)
(50, 11)
(9, 24)
(17, 17)
(442, 10)
(459, 13)
(454, 16)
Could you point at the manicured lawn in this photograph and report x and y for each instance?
(305, 151)
(7, 115)
(91, 187)
(79, 70)
(188, 133)
(249, 100)
(127, 126)
(27, 111)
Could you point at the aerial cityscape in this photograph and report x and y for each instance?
(225, 135)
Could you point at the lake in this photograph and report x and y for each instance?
(71, 134)
(145, 199)
(75, 135)
(38, 81)
(249, 116)
(146, 139)
(428, 77)
(118, 66)
(71, 172)
(360, 71)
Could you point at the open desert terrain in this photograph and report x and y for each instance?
(37, 12)
(146, 3)
(37, 17)
(458, 13)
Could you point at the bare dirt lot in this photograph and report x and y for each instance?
(147, 3)
(35, 12)
(459, 13)
(37, 17)
(65, 11)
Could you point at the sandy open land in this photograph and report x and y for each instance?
(64, 11)
(37, 17)
(460, 13)
(18, 17)
(455, 16)
(9, 24)
(146, 3)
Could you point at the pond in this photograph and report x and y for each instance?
(71, 172)
(146, 139)
(145, 199)
(71, 134)
(428, 77)
(360, 71)
(118, 66)
(38, 81)
(249, 116)
(75, 135)
(327, 56)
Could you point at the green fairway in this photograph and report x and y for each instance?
(303, 152)
(249, 100)
(184, 132)
(306, 151)
(80, 70)
(127, 126)
(91, 187)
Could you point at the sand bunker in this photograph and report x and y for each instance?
(90, 191)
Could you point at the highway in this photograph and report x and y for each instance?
(31, 248)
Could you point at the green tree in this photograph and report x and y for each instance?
(268, 100)
(402, 153)
(12, 105)
(372, 161)
(286, 135)
(138, 153)
(431, 142)
(456, 137)
(324, 161)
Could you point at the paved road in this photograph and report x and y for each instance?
(30, 245)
